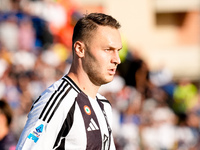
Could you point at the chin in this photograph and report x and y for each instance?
(108, 80)
(101, 81)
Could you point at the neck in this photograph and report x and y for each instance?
(84, 84)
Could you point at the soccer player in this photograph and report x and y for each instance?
(70, 114)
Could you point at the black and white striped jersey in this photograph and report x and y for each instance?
(65, 118)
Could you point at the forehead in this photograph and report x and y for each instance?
(106, 36)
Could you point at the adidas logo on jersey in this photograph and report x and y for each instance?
(92, 126)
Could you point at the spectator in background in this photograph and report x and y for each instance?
(7, 139)
(185, 96)
(135, 71)
(129, 118)
(9, 30)
(160, 133)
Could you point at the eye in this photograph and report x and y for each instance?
(107, 50)
(111, 50)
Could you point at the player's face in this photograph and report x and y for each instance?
(102, 55)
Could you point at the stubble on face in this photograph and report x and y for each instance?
(94, 63)
(93, 68)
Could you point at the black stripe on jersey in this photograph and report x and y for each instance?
(35, 101)
(72, 83)
(54, 101)
(103, 100)
(62, 145)
(65, 128)
(47, 104)
(61, 99)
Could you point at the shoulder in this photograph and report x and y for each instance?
(55, 96)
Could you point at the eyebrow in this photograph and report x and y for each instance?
(111, 47)
(120, 48)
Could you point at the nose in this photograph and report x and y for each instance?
(116, 59)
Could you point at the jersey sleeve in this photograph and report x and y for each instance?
(46, 119)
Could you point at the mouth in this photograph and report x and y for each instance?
(112, 71)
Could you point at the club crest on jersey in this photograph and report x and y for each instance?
(87, 110)
(36, 133)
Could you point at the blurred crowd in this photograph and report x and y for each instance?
(151, 111)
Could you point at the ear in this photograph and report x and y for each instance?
(79, 48)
